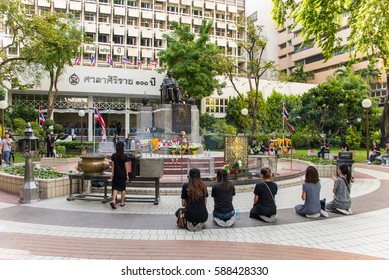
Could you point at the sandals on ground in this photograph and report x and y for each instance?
(113, 205)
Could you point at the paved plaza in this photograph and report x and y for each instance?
(60, 229)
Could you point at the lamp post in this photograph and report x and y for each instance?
(366, 103)
(81, 114)
(28, 147)
(244, 112)
(3, 106)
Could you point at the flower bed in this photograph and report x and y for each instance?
(51, 183)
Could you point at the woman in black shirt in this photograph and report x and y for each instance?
(120, 170)
(194, 199)
(222, 193)
(264, 207)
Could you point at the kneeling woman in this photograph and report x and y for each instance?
(194, 199)
(222, 193)
(310, 194)
(342, 187)
(264, 203)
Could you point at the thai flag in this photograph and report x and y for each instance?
(92, 61)
(125, 60)
(154, 63)
(139, 62)
(41, 118)
(77, 60)
(109, 60)
(98, 117)
(291, 128)
(286, 115)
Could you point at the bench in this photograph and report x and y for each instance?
(105, 181)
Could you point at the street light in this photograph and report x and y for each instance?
(366, 103)
(3, 106)
(81, 114)
(244, 112)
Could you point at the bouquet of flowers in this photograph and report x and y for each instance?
(237, 165)
(173, 146)
(180, 148)
(194, 147)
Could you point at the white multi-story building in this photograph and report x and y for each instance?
(130, 33)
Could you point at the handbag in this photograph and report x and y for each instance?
(181, 221)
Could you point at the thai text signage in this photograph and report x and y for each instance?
(108, 80)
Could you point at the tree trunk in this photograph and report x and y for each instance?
(50, 102)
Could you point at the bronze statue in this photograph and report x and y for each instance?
(171, 92)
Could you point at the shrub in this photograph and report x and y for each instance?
(60, 149)
(353, 138)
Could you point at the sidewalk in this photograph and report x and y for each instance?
(60, 229)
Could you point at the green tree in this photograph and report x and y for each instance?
(221, 127)
(53, 41)
(206, 122)
(255, 68)
(16, 22)
(334, 105)
(321, 20)
(27, 113)
(192, 59)
(272, 118)
(299, 75)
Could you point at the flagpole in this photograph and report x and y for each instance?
(283, 126)
(93, 133)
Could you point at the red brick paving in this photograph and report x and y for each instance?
(92, 248)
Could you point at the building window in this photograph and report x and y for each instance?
(172, 9)
(157, 43)
(145, 42)
(131, 3)
(117, 39)
(92, 36)
(103, 38)
(220, 16)
(303, 47)
(158, 24)
(118, 19)
(145, 23)
(118, 2)
(146, 6)
(90, 16)
(197, 13)
(131, 41)
(132, 21)
(103, 18)
(216, 105)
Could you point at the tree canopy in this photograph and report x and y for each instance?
(15, 22)
(321, 21)
(53, 41)
(253, 48)
(192, 59)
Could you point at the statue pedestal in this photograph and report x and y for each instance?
(163, 118)
(144, 120)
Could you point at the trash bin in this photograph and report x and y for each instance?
(345, 158)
